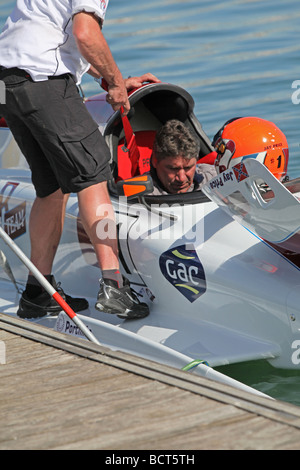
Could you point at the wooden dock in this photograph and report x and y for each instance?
(60, 392)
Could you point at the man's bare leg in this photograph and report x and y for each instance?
(97, 215)
(46, 225)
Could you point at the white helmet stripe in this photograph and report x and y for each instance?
(258, 156)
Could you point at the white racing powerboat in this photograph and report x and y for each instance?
(219, 268)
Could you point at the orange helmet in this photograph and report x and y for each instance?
(251, 137)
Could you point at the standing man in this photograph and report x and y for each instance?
(45, 48)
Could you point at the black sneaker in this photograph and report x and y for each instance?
(122, 302)
(44, 304)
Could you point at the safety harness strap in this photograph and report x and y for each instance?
(130, 145)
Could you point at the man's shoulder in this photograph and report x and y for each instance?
(208, 171)
(157, 189)
(204, 172)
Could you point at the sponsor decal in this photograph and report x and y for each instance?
(184, 270)
(13, 220)
(146, 163)
(65, 325)
(240, 172)
(219, 181)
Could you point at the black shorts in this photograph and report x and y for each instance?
(58, 137)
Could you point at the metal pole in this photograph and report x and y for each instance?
(47, 286)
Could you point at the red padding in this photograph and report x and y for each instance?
(144, 142)
(209, 158)
(3, 123)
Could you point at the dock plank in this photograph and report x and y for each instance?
(59, 392)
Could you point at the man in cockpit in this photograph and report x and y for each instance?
(174, 167)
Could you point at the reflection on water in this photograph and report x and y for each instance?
(280, 384)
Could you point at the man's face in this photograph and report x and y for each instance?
(175, 173)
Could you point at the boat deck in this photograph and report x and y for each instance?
(60, 392)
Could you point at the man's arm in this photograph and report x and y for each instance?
(93, 47)
(93, 72)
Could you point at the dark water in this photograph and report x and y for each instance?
(236, 58)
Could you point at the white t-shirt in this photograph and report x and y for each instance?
(37, 37)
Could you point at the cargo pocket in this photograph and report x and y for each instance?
(86, 156)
